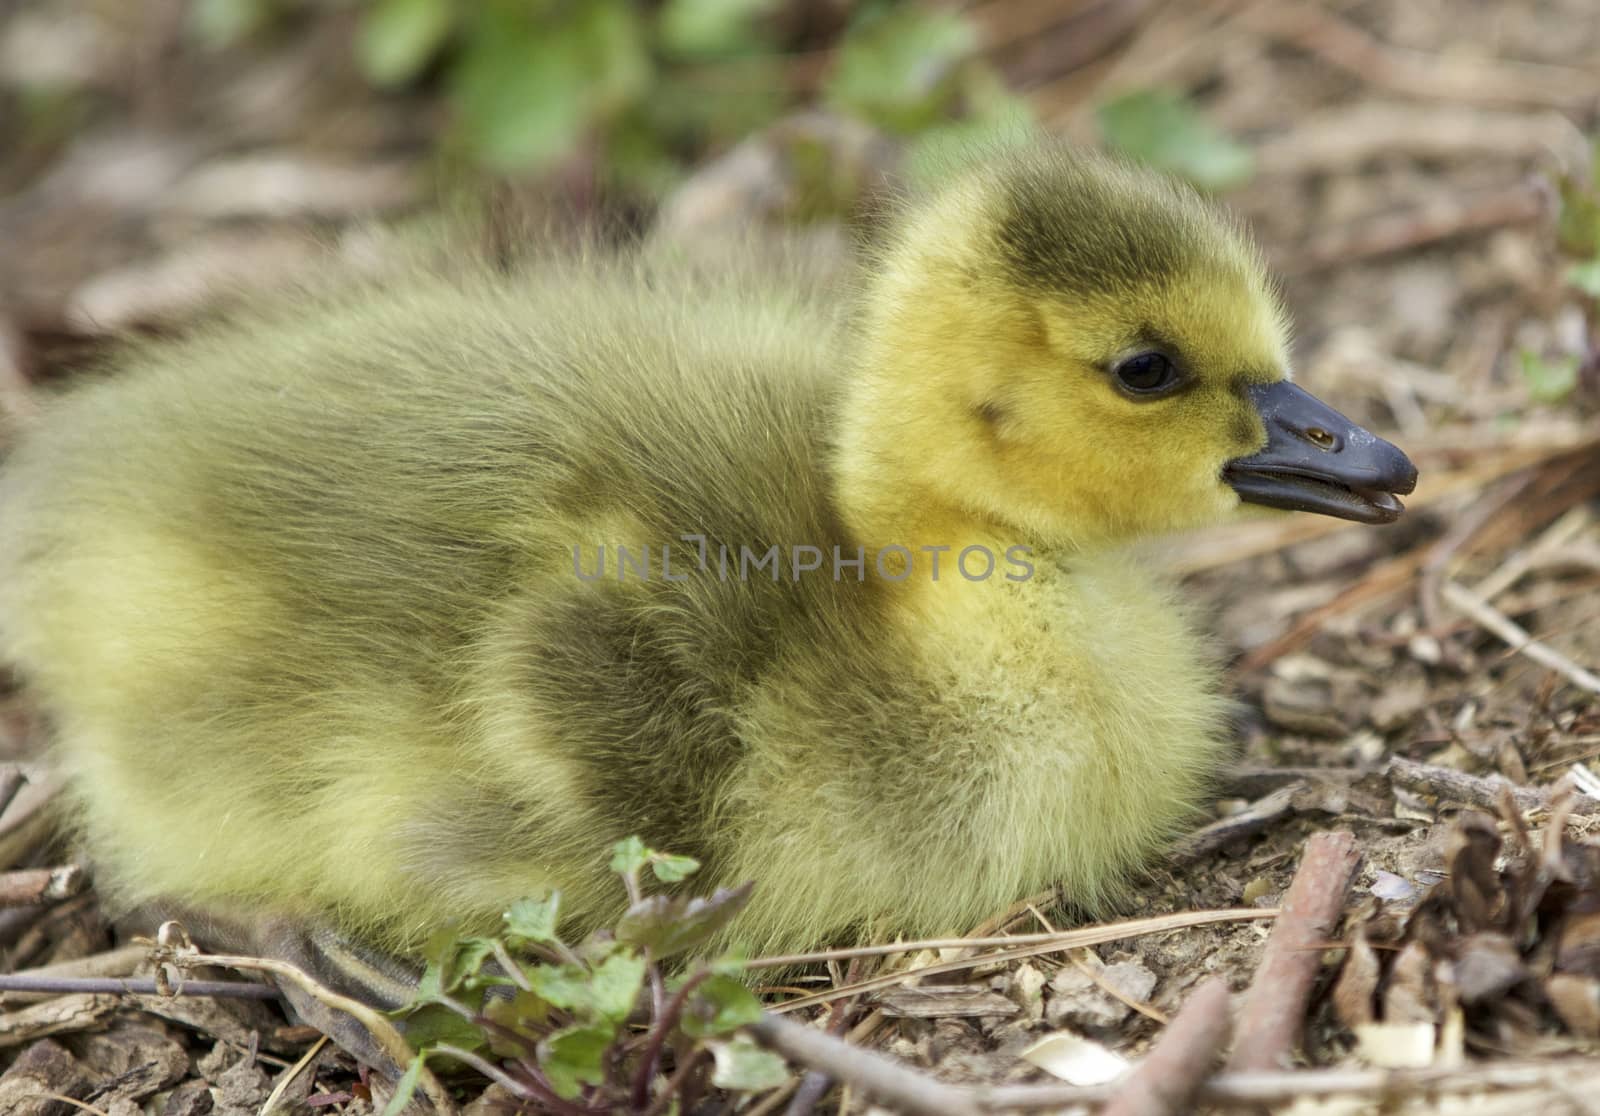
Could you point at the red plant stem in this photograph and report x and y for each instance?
(666, 1022)
(675, 1083)
(1275, 1008)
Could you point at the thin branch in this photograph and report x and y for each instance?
(872, 1073)
(1439, 219)
(1072, 939)
(1446, 77)
(1501, 626)
(916, 1093)
(1165, 1082)
(512, 1085)
(1252, 819)
(136, 986)
(1238, 1090)
(294, 1071)
(1274, 1011)
(666, 1021)
(1449, 785)
(174, 948)
(28, 887)
(1065, 939)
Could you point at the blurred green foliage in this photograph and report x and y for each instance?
(1552, 379)
(645, 90)
(1164, 129)
(642, 91)
(1549, 379)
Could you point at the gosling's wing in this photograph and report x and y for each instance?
(279, 561)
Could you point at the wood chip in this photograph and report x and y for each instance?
(944, 1001)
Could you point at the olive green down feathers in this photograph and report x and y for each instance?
(299, 592)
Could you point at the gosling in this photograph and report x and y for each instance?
(375, 612)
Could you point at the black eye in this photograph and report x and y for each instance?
(1147, 373)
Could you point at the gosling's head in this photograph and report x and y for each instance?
(1061, 346)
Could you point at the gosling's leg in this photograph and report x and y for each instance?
(333, 960)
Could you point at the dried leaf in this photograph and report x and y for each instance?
(1075, 1059)
(1487, 966)
(1409, 998)
(1576, 999)
(1396, 1045)
(1354, 994)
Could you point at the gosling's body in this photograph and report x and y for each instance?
(299, 593)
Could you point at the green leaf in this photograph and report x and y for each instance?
(432, 1024)
(565, 986)
(743, 1065)
(614, 988)
(521, 89)
(628, 856)
(1549, 380)
(666, 925)
(575, 1057)
(534, 920)
(406, 1087)
(1585, 277)
(898, 67)
(709, 28)
(224, 23)
(1578, 217)
(525, 1013)
(719, 1006)
(609, 44)
(671, 869)
(399, 37)
(1163, 129)
(451, 962)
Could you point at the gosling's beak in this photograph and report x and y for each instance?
(1317, 460)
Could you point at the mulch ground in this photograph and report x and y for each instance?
(1427, 688)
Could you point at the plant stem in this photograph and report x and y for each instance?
(676, 1082)
(666, 1023)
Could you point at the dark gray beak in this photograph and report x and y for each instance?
(1317, 460)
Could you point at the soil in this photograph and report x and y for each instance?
(1406, 161)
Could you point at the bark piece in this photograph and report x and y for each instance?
(45, 1067)
(1275, 1009)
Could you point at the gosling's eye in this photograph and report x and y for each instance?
(1147, 373)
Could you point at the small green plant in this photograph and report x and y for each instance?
(1555, 378)
(643, 91)
(588, 1028)
(1164, 129)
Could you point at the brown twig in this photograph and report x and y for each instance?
(1502, 627)
(1449, 785)
(1442, 218)
(1383, 579)
(29, 887)
(1445, 77)
(1458, 538)
(1235, 1090)
(1165, 1082)
(815, 1085)
(1252, 819)
(920, 1095)
(1061, 939)
(135, 986)
(1274, 1011)
(174, 948)
(877, 1076)
(1054, 943)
